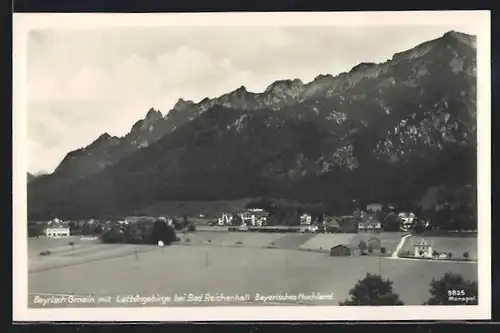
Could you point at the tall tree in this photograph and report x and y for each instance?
(373, 290)
(452, 289)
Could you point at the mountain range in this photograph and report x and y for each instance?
(380, 132)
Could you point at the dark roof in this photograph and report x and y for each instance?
(349, 246)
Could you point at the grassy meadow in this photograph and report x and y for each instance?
(215, 267)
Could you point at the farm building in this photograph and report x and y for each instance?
(342, 250)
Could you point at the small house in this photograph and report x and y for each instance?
(422, 249)
(340, 250)
(305, 219)
(225, 219)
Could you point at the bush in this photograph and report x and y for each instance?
(435, 253)
(238, 242)
(450, 255)
(71, 243)
(187, 240)
(191, 227)
(114, 235)
(383, 250)
(370, 250)
(466, 255)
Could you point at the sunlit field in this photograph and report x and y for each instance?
(120, 270)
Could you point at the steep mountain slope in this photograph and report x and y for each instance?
(380, 132)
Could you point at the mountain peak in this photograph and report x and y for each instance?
(153, 114)
(182, 105)
(284, 84)
(103, 137)
(461, 37)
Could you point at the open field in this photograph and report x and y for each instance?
(116, 270)
(456, 245)
(229, 238)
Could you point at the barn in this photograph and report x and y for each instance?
(340, 250)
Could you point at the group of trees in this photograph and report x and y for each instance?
(370, 246)
(35, 230)
(455, 210)
(184, 223)
(151, 233)
(451, 289)
(86, 228)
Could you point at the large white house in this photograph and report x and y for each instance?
(254, 217)
(369, 226)
(422, 249)
(57, 232)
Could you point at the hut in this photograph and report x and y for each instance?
(342, 250)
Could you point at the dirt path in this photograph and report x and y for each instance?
(395, 254)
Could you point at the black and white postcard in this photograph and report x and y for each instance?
(251, 166)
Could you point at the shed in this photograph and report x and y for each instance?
(340, 250)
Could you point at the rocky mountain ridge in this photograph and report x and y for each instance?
(107, 150)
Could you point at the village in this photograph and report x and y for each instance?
(371, 221)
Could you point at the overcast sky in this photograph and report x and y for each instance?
(84, 83)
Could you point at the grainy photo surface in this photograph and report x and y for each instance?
(206, 161)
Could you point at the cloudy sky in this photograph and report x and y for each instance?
(84, 83)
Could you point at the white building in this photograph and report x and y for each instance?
(408, 221)
(225, 219)
(254, 217)
(369, 226)
(305, 219)
(57, 232)
(422, 249)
